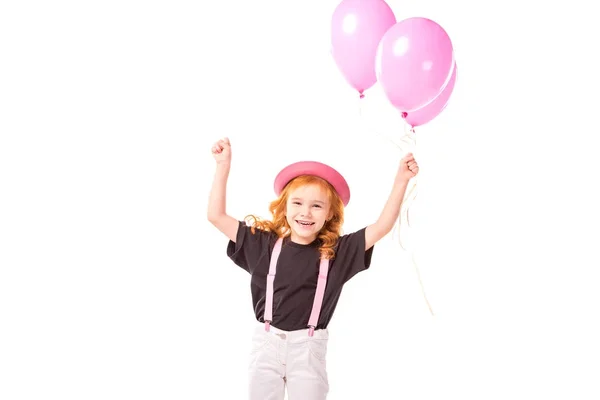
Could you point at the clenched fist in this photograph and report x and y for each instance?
(221, 151)
(408, 167)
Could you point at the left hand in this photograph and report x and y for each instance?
(408, 168)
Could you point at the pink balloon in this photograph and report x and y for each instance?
(414, 62)
(430, 111)
(357, 27)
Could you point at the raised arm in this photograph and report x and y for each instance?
(408, 169)
(217, 211)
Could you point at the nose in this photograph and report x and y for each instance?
(305, 212)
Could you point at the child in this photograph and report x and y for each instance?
(298, 263)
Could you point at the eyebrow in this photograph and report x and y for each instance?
(314, 201)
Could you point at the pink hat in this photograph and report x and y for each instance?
(317, 169)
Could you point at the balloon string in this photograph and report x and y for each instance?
(404, 221)
(409, 140)
(360, 104)
(407, 144)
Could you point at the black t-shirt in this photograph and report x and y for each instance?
(296, 276)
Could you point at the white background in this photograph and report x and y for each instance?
(113, 285)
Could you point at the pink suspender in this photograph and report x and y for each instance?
(270, 279)
(316, 309)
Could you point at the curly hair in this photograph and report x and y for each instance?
(332, 229)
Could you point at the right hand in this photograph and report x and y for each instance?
(221, 151)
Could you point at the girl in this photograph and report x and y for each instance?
(298, 263)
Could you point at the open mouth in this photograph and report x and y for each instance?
(304, 223)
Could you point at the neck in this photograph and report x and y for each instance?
(302, 240)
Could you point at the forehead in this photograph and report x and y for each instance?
(309, 192)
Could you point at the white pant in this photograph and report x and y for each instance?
(281, 359)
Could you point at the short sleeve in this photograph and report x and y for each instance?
(351, 257)
(249, 247)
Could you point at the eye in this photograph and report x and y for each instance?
(296, 203)
(317, 205)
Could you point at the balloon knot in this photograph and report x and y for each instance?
(362, 96)
(404, 114)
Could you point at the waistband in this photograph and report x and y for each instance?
(292, 335)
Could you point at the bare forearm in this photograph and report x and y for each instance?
(217, 202)
(408, 168)
(391, 210)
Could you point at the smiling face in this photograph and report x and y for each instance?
(307, 210)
